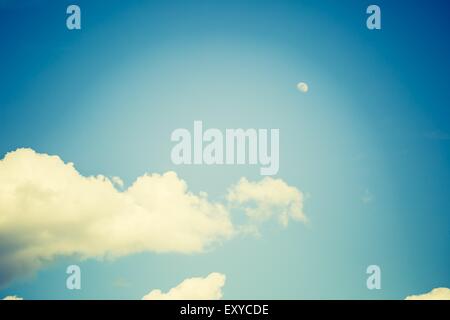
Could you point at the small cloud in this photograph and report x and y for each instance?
(266, 198)
(435, 294)
(437, 135)
(12, 298)
(367, 197)
(209, 288)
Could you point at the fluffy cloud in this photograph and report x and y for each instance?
(266, 198)
(47, 209)
(209, 288)
(435, 294)
(12, 298)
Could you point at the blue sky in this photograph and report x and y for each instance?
(376, 121)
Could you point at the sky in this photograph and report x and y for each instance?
(364, 173)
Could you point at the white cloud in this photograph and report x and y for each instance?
(268, 197)
(12, 298)
(435, 294)
(209, 288)
(47, 209)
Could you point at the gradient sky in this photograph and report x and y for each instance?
(375, 121)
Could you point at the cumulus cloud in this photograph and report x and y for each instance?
(12, 298)
(48, 209)
(267, 198)
(209, 288)
(435, 294)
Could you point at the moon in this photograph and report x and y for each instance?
(303, 87)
